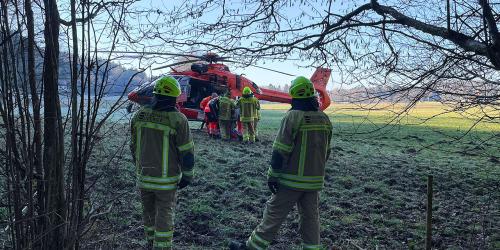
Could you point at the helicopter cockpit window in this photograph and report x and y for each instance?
(257, 89)
(145, 89)
(185, 88)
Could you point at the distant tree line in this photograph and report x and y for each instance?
(117, 75)
(277, 87)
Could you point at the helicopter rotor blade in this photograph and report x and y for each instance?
(203, 57)
(177, 63)
(150, 53)
(222, 58)
(277, 71)
(260, 67)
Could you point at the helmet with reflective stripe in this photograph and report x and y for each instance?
(167, 86)
(301, 87)
(247, 91)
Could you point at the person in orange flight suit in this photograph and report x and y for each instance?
(210, 121)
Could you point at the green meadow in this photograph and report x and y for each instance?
(375, 191)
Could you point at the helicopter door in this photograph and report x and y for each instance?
(198, 89)
(220, 90)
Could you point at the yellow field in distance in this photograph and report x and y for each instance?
(432, 114)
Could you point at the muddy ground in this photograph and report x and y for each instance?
(374, 197)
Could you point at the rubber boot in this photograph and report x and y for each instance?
(236, 245)
(149, 245)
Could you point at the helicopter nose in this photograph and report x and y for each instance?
(132, 96)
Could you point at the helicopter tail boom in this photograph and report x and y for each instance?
(274, 96)
(319, 79)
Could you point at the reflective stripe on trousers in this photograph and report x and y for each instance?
(163, 240)
(158, 212)
(256, 242)
(276, 211)
(248, 131)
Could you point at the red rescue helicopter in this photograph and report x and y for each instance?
(202, 79)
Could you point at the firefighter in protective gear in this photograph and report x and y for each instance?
(206, 100)
(210, 115)
(214, 112)
(248, 106)
(226, 111)
(297, 171)
(163, 151)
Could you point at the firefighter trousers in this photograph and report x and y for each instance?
(276, 211)
(225, 129)
(158, 212)
(248, 131)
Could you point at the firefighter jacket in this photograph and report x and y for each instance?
(226, 108)
(248, 108)
(163, 148)
(301, 149)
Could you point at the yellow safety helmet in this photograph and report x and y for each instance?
(247, 91)
(302, 87)
(167, 86)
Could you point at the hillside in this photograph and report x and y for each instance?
(110, 75)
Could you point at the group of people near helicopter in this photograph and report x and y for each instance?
(231, 119)
(163, 151)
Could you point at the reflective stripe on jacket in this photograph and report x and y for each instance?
(226, 108)
(248, 108)
(304, 143)
(159, 141)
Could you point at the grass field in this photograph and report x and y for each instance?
(375, 185)
(383, 114)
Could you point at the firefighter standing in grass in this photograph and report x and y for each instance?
(206, 100)
(226, 110)
(213, 106)
(297, 170)
(210, 119)
(162, 148)
(248, 105)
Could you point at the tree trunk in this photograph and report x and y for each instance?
(35, 100)
(53, 152)
(75, 211)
